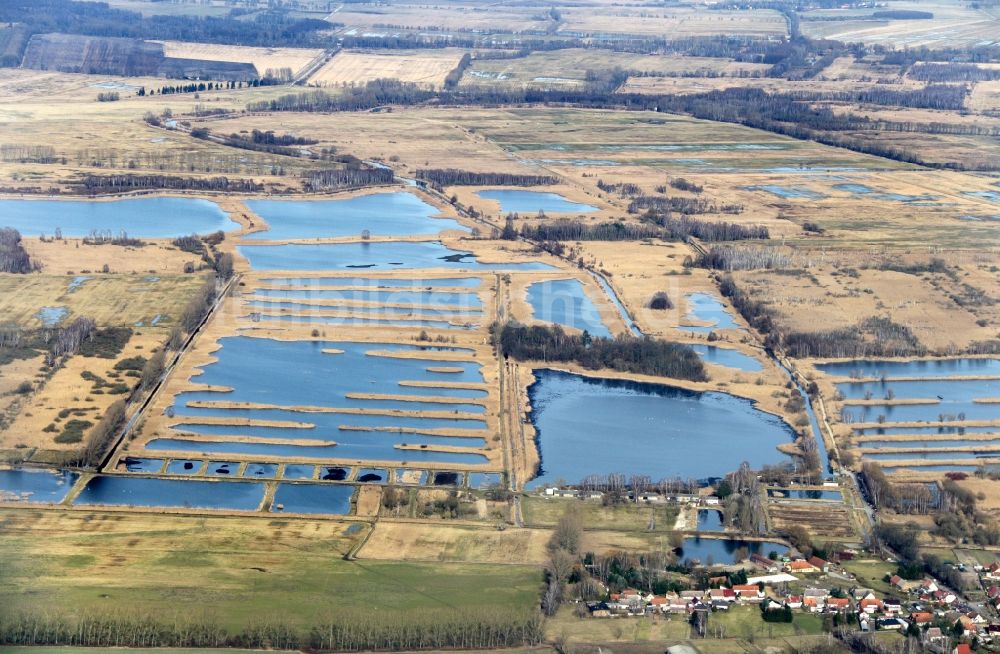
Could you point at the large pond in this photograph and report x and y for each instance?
(141, 218)
(336, 376)
(381, 214)
(703, 307)
(717, 551)
(727, 357)
(804, 494)
(330, 499)
(36, 485)
(531, 202)
(875, 368)
(710, 520)
(932, 429)
(598, 426)
(171, 493)
(404, 297)
(370, 255)
(564, 302)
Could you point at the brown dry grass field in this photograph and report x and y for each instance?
(568, 68)
(427, 68)
(679, 21)
(263, 59)
(408, 541)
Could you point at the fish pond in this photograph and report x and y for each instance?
(591, 426)
(710, 520)
(329, 499)
(564, 302)
(530, 202)
(381, 214)
(141, 218)
(171, 493)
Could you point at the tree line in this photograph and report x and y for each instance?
(441, 177)
(350, 177)
(460, 628)
(130, 181)
(625, 353)
(662, 227)
(678, 204)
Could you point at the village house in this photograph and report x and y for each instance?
(892, 606)
(722, 595)
(860, 594)
(794, 601)
(870, 605)
(838, 604)
(819, 564)
(748, 592)
(764, 563)
(801, 566)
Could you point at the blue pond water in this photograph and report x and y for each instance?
(133, 464)
(598, 426)
(51, 316)
(409, 298)
(707, 308)
(261, 470)
(788, 192)
(382, 214)
(564, 301)
(222, 469)
(933, 429)
(141, 218)
(730, 358)
(709, 520)
(933, 468)
(332, 499)
(171, 493)
(928, 368)
(184, 467)
(903, 456)
(802, 494)
(369, 255)
(299, 471)
(36, 484)
(377, 447)
(76, 283)
(722, 550)
(533, 201)
(374, 282)
(374, 310)
(951, 399)
(359, 320)
(372, 475)
(931, 443)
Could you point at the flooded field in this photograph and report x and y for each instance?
(592, 426)
(141, 218)
(36, 485)
(531, 202)
(727, 357)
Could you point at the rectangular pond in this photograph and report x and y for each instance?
(325, 499)
(371, 311)
(380, 214)
(875, 368)
(42, 485)
(393, 255)
(531, 202)
(313, 317)
(171, 493)
(140, 217)
(469, 302)
(805, 494)
(565, 302)
(943, 400)
(589, 426)
(710, 520)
